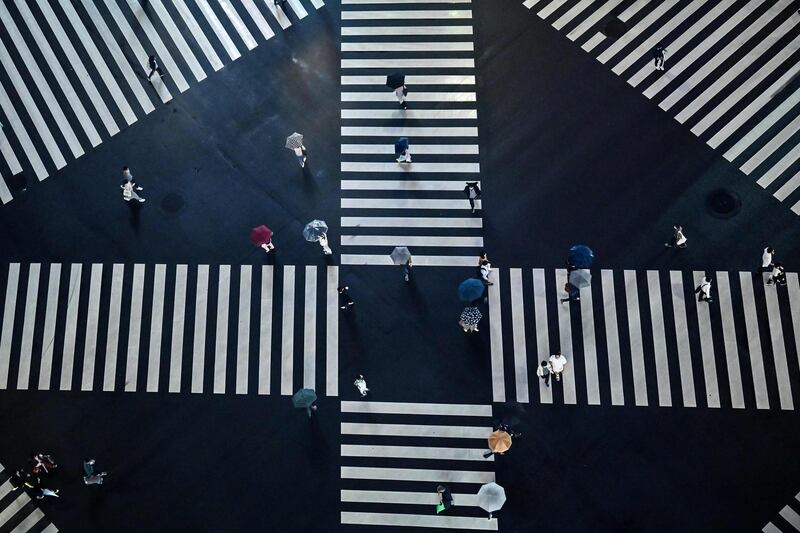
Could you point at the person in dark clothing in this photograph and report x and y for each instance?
(473, 192)
(658, 57)
(345, 302)
(573, 293)
(17, 479)
(445, 499)
(154, 67)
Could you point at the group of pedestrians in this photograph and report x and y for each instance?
(43, 467)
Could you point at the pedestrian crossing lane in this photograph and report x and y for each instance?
(18, 513)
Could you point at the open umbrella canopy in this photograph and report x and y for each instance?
(395, 80)
(304, 398)
(470, 290)
(295, 140)
(314, 230)
(580, 256)
(400, 255)
(499, 441)
(260, 235)
(580, 278)
(491, 497)
(401, 145)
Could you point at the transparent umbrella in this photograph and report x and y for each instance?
(580, 278)
(491, 497)
(295, 140)
(400, 255)
(304, 399)
(314, 230)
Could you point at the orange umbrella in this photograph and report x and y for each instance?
(499, 441)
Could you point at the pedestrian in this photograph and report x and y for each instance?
(401, 93)
(43, 463)
(129, 192)
(557, 364)
(659, 53)
(33, 483)
(405, 154)
(473, 192)
(345, 301)
(17, 479)
(445, 499)
(323, 241)
(544, 372)
(704, 290)
(767, 260)
(573, 293)
(126, 175)
(361, 385)
(407, 269)
(268, 246)
(91, 477)
(483, 257)
(778, 276)
(301, 153)
(484, 270)
(154, 67)
(470, 317)
(678, 238)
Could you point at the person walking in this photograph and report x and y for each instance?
(407, 269)
(301, 153)
(659, 56)
(470, 317)
(557, 365)
(704, 290)
(473, 192)
(152, 63)
(767, 260)
(405, 155)
(129, 192)
(544, 370)
(573, 293)
(126, 175)
(323, 241)
(778, 276)
(345, 301)
(445, 499)
(484, 270)
(678, 239)
(401, 93)
(90, 476)
(43, 463)
(17, 479)
(361, 386)
(268, 246)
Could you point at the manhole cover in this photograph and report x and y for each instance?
(614, 29)
(723, 203)
(172, 203)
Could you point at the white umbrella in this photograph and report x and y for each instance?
(580, 278)
(295, 140)
(491, 497)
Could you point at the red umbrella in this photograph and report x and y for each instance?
(260, 235)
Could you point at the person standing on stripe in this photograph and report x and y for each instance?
(152, 63)
(473, 192)
(401, 93)
(659, 53)
(544, 370)
(704, 290)
(767, 260)
(778, 276)
(403, 150)
(557, 365)
(678, 239)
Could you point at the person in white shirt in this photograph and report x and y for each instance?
(778, 276)
(704, 290)
(544, 372)
(323, 241)
(301, 155)
(767, 260)
(678, 238)
(485, 270)
(400, 93)
(557, 364)
(405, 157)
(129, 189)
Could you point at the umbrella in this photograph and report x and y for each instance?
(470, 290)
(295, 140)
(491, 497)
(580, 278)
(471, 316)
(260, 235)
(499, 441)
(580, 256)
(395, 80)
(304, 399)
(314, 230)
(400, 255)
(401, 146)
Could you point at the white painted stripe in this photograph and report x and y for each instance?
(278, 13)
(219, 29)
(396, 46)
(724, 78)
(406, 30)
(9, 155)
(589, 45)
(298, 9)
(178, 326)
(58, 72)
(635, 335)
(419, 149)
(265, 336)
(200, 319)
(770, 528)
(332, 332)
(410, 240)
(238, 24)
(405, 203)
(590, 21)
(412, 97)
(287, 331)
(764, 124)
(405, 408)
(753, 340)
(496, 339)
(29, 522)
(707, 349)
(198, 34)
(550, 8)
(50, 529)
(682, 336)
(177, 38)
(573, 12)
(92, 320)
(418, 520)
(26, 346)
(402, 131)
(71, 326)
(407, 14)
(317, 3)
(406, 498)
(221, 338)
(771, 146)
(796, 208)
(401, 185)
(565, 337)
(78, 68)
(410, 168)
(729, 337)
(530, 3)
(778, 348)
(35, 72)
(589, 347)
(156, 328)
(21, 134)
(659, 339)
(49, 334)
(791, 516)
(258, 19)
(541, 329)
(632, 33)
(412, 114)
(134, 329)
(416, 430)
(112, 335)
(411, 80)
(137, 48)
(788, 188)
(243, 333)
(10, 511)
(518, 326)
(419, 260)
(793, 289)
(780, 167)
(612, 338)
(410, 222)
(416, 474)
(415, 452)
(5, 194)
(310, 329)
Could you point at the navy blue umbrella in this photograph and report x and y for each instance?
(580, 256)
(470, 290)
(401, 145)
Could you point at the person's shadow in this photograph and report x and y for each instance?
(135, 214)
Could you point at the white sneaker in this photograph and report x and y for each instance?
(142, 200)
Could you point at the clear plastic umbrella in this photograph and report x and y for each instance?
(314, 230)
(580, 278)
(491, 497)
(304, 399)
(295, 140)
(400, 255)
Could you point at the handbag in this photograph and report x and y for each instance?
(439, 507)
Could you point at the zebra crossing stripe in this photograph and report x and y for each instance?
(416, 430)
(565, 338)
(407, 14)
(407, 498)
(635, 334)
(395, 46)
(178, 324)
(612, 338)
(21, 134)
(405, 30)
(298, 9)
(415, 80)
(496, 343)
(412, 114)
(793, 290)
(405, 408)
(10, 157)
(589, 347)
(550, 8)
(71, 327)
(682, 337)
(418, 520)
(419, 149)
(243, 334)
(791, 516)
(753, 341)
(26, 348)
(518, 321)
(659, 339)
(238, 24)
(156, 328)
(411, 222)
(287, 332)
(30, 521)
(416, 474)
(636, 30)
(778, 348)
(134, 330)
(573, 12)
(455, 96)
(278, 13)
(200, 317)
(310, 328)
(93, 317)
(707, 349)
(265, 336)
(759, 129)
(198, 34)
(219, 29)
(599, 37)
(729, 338)
(259, 19)
(437, 453)
(541, 328)
(221, 338)
(402, 185)
(112, 337)
(592, 19)
(177, 38)
(332, 333)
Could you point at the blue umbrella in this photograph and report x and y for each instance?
(401, 145)
(580, 256)
(470, 290)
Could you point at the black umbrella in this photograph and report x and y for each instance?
(401, 146)
(395, 80)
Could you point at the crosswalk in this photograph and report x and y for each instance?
(18, 513)
(421, 204)
(394, 455)
(641, 338)
(730, 72)
(169, 328)
(789, 518)
(73, 74)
